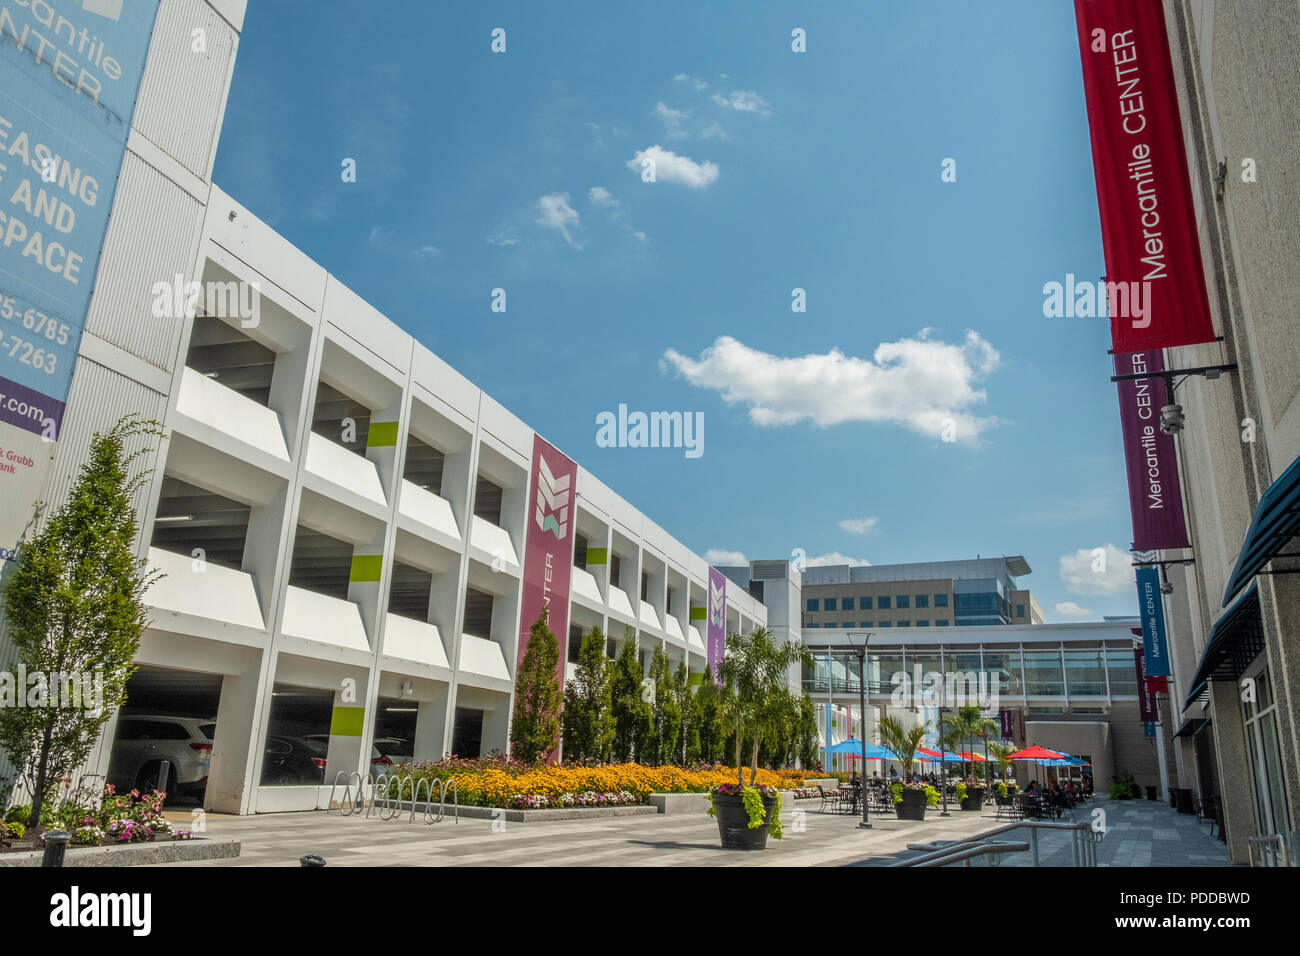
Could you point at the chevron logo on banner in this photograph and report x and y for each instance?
(111, 9)
(717, 604)
(552, 496)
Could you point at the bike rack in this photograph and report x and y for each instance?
(347, 806)
(384, 804)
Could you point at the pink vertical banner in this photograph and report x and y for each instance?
(548, 548)
(716, 642)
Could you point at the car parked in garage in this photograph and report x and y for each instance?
(143, 742)
(290, 761)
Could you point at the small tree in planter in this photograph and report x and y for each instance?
(754, 675)
(910, 800)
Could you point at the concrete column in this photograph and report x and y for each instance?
(1236, 797)
(238, 743)
(431, 728)
(496, 728)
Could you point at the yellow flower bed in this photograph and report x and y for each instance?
(491, 786)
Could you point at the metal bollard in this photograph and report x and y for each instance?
(56, 845)
(164, 771)
(311, 859)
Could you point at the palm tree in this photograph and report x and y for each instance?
(902, 742)
(755, 678)
(985, 728)
(1003, 752)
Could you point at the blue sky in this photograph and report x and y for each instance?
(775, 170)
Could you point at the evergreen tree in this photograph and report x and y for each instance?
(665, 713)
(687, 751)
(809, 742)
(588, 717)
(535, 724)
(631, 713)
(75, 607)
(708, 720)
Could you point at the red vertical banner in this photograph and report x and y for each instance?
(548, 547)
(1156, 292)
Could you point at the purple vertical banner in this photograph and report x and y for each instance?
(717, 623)
(1155, 495)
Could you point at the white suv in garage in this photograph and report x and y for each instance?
(145, 741)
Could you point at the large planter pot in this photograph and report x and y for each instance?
(733, 822)
(912, 807)
(974, 799)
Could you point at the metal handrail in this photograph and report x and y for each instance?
(963, 853)
(1273, 850)
(1083, 840)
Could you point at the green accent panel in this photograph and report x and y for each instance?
(697, 680)
(382, 435)
(699, 613)
(366, 567)
(346, 721)
(597, 555)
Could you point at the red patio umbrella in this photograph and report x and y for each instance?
(1036, 754)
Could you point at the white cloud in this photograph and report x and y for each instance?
(671, 168)
(859, 525)
(834, 557)
(726, 559)
(1070, 609)
(1099, 572)
(692, 81)
(503, 239)
(918, 383)
(380, 234)
(600, 196)
(714, 131)
(426, 252)
(744, 101)
(671, 118)
(556, 213)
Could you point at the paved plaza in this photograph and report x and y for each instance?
(1139, 833)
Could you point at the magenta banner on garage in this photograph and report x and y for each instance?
(716, 640)
(548, 549)
(1155, 495)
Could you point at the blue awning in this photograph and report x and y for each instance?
(1235, 640)
(1276, 521)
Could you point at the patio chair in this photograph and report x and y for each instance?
(1008, 808)
(830, 797)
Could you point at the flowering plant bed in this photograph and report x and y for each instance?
(544, 801)
(111, 820)
(498, 782)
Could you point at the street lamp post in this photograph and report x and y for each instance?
(862, 704)
(943, 774)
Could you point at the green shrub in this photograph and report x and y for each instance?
(1125, 787)
(15, 830)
